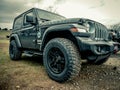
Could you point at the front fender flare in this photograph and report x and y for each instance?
(56, 28)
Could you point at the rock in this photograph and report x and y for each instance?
(52, 87)
(114, 68)
(17, 86)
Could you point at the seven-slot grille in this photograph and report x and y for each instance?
(101, 32)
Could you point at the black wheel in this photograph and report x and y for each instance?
(14, 52)
(95, 61)
(61, 59)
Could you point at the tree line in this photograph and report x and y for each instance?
(4, 29)
(115, 26)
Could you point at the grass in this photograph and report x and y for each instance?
(4, 41)
(4, 33)
(4, 59)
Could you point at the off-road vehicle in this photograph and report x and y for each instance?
(114, 36)
(62, 42)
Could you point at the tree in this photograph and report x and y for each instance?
(115, 26)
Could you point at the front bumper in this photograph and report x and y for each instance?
(95, 47)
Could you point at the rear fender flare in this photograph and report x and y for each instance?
(16, 38)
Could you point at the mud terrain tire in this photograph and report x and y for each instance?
(61, 59)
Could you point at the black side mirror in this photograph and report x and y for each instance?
(31, 20)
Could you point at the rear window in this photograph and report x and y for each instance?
(17, 23)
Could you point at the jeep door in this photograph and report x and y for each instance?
(28, 32)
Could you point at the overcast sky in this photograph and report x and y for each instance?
(104, 11)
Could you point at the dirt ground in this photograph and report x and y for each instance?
(29, 74)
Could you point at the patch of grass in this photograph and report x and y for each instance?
(4, 41)
(4, 80)
(4, 59)
(33, 61)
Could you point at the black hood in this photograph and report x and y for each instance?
(63, 21)
(100, 29)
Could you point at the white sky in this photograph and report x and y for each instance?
(104, 11)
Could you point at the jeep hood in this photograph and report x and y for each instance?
(64, 21)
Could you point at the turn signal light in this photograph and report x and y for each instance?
(74, 29)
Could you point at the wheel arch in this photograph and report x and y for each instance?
(58, 34)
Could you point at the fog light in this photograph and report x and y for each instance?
(99, 49)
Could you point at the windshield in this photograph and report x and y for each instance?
(48, 16)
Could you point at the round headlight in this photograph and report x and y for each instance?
(87, 25)
(90, 27)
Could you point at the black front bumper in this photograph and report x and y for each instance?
(98, 48)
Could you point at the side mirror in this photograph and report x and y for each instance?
(31, 19)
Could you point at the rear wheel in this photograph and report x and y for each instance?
(61, 59)
(14, 52)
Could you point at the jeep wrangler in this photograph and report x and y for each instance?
(62, 42)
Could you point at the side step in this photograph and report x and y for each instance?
(32, 53)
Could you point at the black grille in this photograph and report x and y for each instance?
(101, 32)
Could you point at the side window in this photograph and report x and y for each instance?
(25, 21)
(17, 23)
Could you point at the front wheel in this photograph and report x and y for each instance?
(61, 59)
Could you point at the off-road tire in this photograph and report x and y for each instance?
(71, 59)
(14, 52)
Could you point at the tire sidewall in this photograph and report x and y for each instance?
(66, 55)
